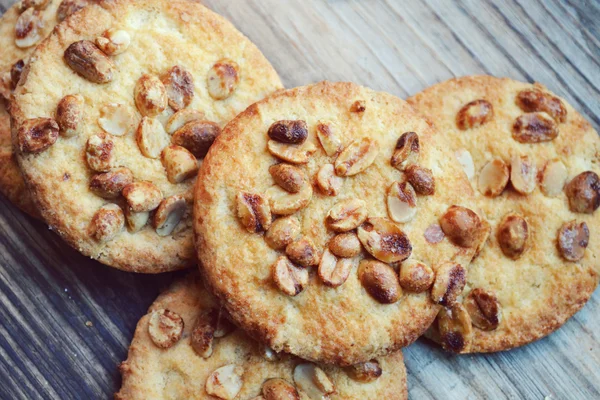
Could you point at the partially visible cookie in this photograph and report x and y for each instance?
(533, 162)
(186, 348)
(114, 114)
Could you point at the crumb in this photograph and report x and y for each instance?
(89, 324)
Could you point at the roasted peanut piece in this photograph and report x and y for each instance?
(462, 226)
(197, 136)
(333, 272)
(347, 215)
(289, 278)
(330, 142)
(534, 127)
(180, 87)
(279, 389)
(450, 280)
(168, 214)
(282, 232)
(573, 239)
(474, 114)
(269, 354)
(69, 7)
(345, 245)
(285, 203)
(37, 135)
(165, 328)
(523, 174)
(416, 276)
(5, 86)
(288, 177)
(401, 202)
(288, 131)
(421, 179)
(434, 234)
(456, 329)
(151, 137)
(583, 192)
(15, 73)
(224, 325)
(303, 252)
(28, 28)
(327, 181)
(358, 106)
(113, 42)
(530, 100)
(493, 178)
(109, 185)
(107, 222)
(203, 333)
(384, 240)
(179, 163)
(69, 114)
(254, 211)
(136, 220)
(99, 152)
(182, 117)
(150, 95)
(142, 196)
(37, 4)
(380, 281)
(116, 119)
(223, 78)
(464, 158)
(85, 58)
(365, 372)
(295, 154)
(553, 179)
(225, 382)
(407, 151)
(356, 157)
(483, 308)
(513, 235)
(313, 381)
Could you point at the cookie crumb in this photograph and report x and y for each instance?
(89, 324)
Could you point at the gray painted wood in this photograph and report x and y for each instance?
(48, 291)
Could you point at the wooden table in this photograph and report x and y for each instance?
(66, 321)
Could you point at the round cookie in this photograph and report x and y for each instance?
(321, 280)
(17, 44)
(191, 347)
(114, 114)
(525, 150)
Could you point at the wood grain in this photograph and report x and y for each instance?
(48, 291)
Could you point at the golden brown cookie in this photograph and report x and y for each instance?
(533, 162)
(320, 215)
(113, 115)
(185, 348)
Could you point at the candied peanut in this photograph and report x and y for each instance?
(165, 328)
(100, 152)
(401, 202)
(464, 158)
(203, 333)
(282, 232)
(197, 136)
(345, 245)
(384, 240)
(28, 28)
(462, 226)
(407, 151)
(523, 174)
(168, 214)
(142, 196)
(347, 215)
(279, 389)
(289, 278)
(513, 235)
(179, 163)
(113, 42)
(474, 114)
(179, 84)
(450, 280)
(116, 119)
(136, 220)
(182, 117)
(380, 281)
(330, 142)
(554, 177)
(313, 381)
(534, 127)
(287, 176)
(416, 276)
(150, 95)
(37, 135)
(85, 58)
(530, 100)
(151, 137)
(583, 192)
(69, 7)
(365, 372)
(285, 203)
(223, 78)
(573, 239)
(69, 114)
(107, 222)
(333, 271)
(254, 211)
(327, 181)
(292, 153)
(288, 131)
(483, 308)
(493, 178)
(109, 185)
(303, 252)
(225, 382)
(456, 329)
(356, 157)
(434, 234)
(421, 179)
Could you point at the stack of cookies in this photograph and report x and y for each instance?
(331, 225)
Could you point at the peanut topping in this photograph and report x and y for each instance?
(345, 245)
(203, 333)
(295, 154)
(287, 176)
(142, 196)
(456, 330)
(37, 135)
(464, 158)
(434, 234)
(136, 220)
(327, 181)
(356, 157)
(179, 163)
(285, 203)
(85, 58)
(407, 151)
(197, 136)
(330, 142)
(384, 240)
(99, 152)
(225, 382)
(165, 328)
(415, 276)
(180, 87)
(513, 235)
(282, 232)
(69, 114)
(37, 4)
(333, 271)
(151, 137)
(5, 87)
(303, 252)
(554, 177)
(534, 128)
(450, 280)
(493, 178)
(107, 223)
(358, 106)
(182, 117)
(150, 95)
(421, 179)
(110, 184)
(289, 132)
(484, 309)
(313, 381)
(113, 42)
(573, 239)
(279, 389)
(15, 73)
(347, 215)
(168, 214)
(28, 28)
(523, 174)
(462, 226)
(116, 119)
(289, 278)
(401, 202)
(223, 78)
(380, 281)
(69, 7)
(530, 100)
(583, 192)
(474, 114)
(254, 211)
(364, 372)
